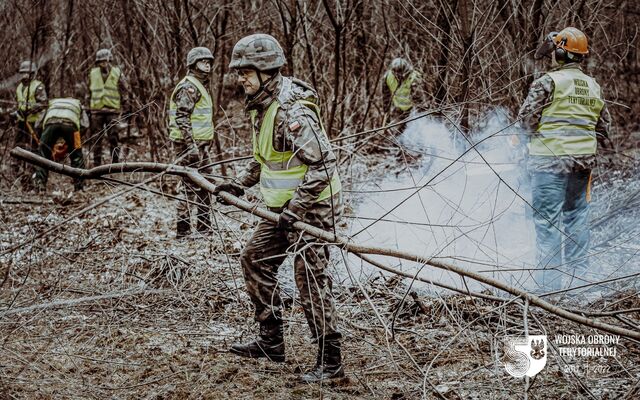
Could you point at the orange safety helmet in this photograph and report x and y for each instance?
(572, 40)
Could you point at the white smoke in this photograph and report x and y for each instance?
(465, 215)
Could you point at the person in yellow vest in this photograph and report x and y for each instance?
(31, 98)
(565, 117)
(191, 130)
(297, 171)
(63, 122)
(108, 92)
(400, 89)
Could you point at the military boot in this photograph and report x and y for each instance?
(203, 225)
(270, 343)
(183, 229)
(39, 186)
(203, 215)
(328, 363)
(78, 185)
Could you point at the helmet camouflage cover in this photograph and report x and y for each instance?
(103, 55)
(27, 66)
(198, 53)
(259, 51)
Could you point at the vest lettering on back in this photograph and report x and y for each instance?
(567, 124)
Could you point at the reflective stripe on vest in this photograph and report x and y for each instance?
(402, 94)
(568, 125)
(26, 97)
(104, 94)
(281, 172)
(201, 116)
(67, 109)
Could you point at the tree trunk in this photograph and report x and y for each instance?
(444, 23)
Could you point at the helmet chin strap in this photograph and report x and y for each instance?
(263, 84)
(201, 75)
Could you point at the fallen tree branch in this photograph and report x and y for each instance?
(25, 201)
(343, 242)
(427, 280)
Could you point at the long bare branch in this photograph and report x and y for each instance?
(343, 242)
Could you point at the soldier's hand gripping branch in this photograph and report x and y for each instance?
(286, 220)
(229, 187)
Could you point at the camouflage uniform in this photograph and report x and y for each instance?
(269, 245)
(104, 122)
(186, 97)
(24, 138)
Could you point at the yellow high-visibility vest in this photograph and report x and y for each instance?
(281, 172)
(568, 125)
(104, 94)
(66, 108)
(401, 92)
(26, 97)
(201, 117)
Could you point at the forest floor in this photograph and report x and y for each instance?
(111, 305)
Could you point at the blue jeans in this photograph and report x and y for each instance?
(561, 217)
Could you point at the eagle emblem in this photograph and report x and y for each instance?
(537, 349)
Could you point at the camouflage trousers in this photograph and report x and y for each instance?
(105, 124)
(192, 193)
(398, 115)
(266, 251)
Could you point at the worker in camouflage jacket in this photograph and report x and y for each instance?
(191, 130)
(31, 98)
(297, 171)
(565, 118)
(400, 92)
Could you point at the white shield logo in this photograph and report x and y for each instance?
(525, 355)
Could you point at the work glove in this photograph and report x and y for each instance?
(546, 47)
(229, 187)
(286, 220)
